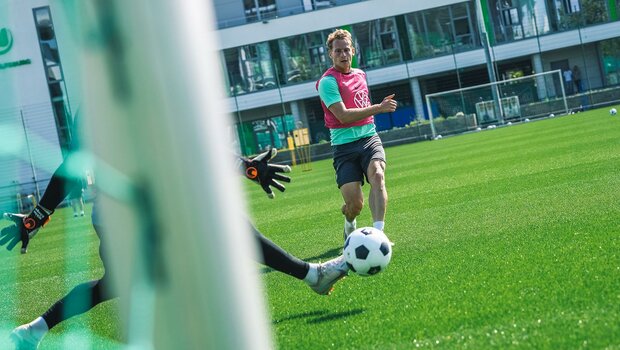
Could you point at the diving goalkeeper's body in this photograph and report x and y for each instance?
(319, 277)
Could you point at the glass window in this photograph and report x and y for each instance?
(53, 71)
(389, 41)
(295, 59)
(258, 10)
(250, 68)
(304, 57)
(519, 19)
(610, 55)
(464, 34)
(257, 135)
(441, 30)
(377, 43)
(368, 48)
(507, 18)
(420, 47)
(571, 14)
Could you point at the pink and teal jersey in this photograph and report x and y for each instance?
(352, 90)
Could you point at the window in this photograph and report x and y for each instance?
(250, 68)
(259, 10)
(377, 42)
(442, 30)
(610, 56)
(571, 14)
(571, 6)
(463, 32)
(304, 57)
(389, 40)
(54, 75)
(255, 136)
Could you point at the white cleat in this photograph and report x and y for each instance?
(24, 338)
(330, 272)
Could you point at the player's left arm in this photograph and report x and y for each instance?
(25, 227)
(259, 170)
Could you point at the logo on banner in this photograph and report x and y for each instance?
(6, 40)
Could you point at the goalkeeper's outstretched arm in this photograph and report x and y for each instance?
(259, 170)
(25, 227)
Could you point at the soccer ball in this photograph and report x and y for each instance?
(613, 111)
(367, 251)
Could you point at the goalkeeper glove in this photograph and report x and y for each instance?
(266, 175)
(24, 228)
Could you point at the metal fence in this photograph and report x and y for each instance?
(29, 154)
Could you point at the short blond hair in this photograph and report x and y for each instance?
(338, 34)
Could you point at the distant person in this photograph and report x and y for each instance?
(357, 149)
(577, 78)
(568, 81)
(77, 199)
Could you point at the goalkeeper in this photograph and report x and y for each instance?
(319, 277)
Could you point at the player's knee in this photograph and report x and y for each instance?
(354, 208)
(378, 179)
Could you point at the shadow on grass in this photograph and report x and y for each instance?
(319, 316)
(330, 254)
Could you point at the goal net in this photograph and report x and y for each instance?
(501, 102)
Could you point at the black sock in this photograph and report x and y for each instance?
(79, 300)
(278, 259)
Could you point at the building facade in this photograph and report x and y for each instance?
(35, 113)
(273, 52)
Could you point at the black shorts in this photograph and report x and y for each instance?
(351, 159)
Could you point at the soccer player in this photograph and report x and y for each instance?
(77, 200)
(319, 277)
(357, 149)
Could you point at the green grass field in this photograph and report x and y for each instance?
(506, 238)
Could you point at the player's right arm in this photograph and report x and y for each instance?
(330, 95)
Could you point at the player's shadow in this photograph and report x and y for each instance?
(330, 254)
(319, 316)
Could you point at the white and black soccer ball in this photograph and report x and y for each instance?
(613, 111)
(367, 251)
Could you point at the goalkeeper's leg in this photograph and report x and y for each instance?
(79, 300)
(319, 277)
(278, 259)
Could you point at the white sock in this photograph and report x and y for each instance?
(313, 274)
(39, 327)
(350, 226)
(379, 225)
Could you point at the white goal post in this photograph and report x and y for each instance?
(528, 97)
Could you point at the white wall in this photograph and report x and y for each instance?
(24, 93)
(22, 85)
(590, 71)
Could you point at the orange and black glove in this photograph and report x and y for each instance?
(24, 228)
(266, 175)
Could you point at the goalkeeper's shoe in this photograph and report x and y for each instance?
(25, 338)
(330, 272)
